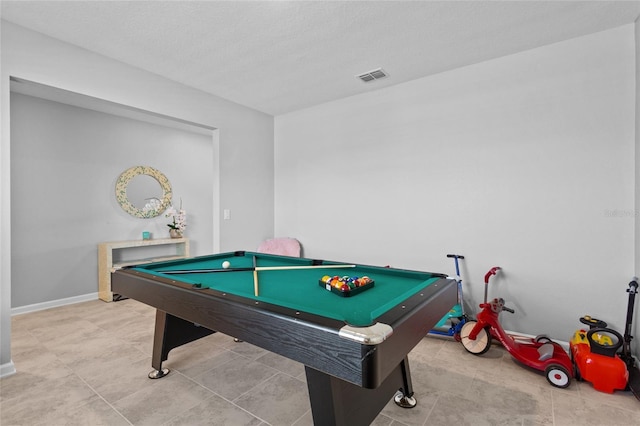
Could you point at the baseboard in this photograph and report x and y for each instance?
(53, 304)
(7, 369)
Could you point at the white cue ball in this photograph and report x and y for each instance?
(226, 264)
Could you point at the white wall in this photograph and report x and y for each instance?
(524, 162)
(243, 145)
(64, 164)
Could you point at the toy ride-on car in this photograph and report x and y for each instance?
(594, 355)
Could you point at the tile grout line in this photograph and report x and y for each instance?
(433, 406)
(102, 398)
(213, 393)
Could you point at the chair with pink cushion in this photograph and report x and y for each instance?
(281, 246)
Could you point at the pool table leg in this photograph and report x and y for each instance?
(404, 397)
(335, 402)
(171, 332)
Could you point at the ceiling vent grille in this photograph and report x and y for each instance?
(376, 74)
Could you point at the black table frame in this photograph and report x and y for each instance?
(349, 382)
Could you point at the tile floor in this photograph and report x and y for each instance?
(87, 364)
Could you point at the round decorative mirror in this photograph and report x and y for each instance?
(143, 191)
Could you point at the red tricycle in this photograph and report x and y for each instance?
(539, 353)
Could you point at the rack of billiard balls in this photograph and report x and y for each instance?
(346, 286)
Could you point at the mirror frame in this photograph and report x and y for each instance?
(123, 182)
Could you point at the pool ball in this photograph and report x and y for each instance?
(344, 287)
(326, 279)
(226, 264)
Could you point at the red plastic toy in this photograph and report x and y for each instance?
(539, 353)
(595, 357)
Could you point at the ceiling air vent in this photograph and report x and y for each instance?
(372, 75)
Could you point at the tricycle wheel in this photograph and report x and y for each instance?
(478, 346)
(558, 376)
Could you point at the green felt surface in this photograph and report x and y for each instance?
(299, 289)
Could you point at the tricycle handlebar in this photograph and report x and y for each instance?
(492, 271)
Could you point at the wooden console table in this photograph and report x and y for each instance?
(106, 265)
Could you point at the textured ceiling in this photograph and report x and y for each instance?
(280, 56)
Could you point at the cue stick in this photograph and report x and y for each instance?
(257, 268)
(255, 277)
(286, 268)
(199, 271)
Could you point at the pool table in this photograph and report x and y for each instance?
(354, 348)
